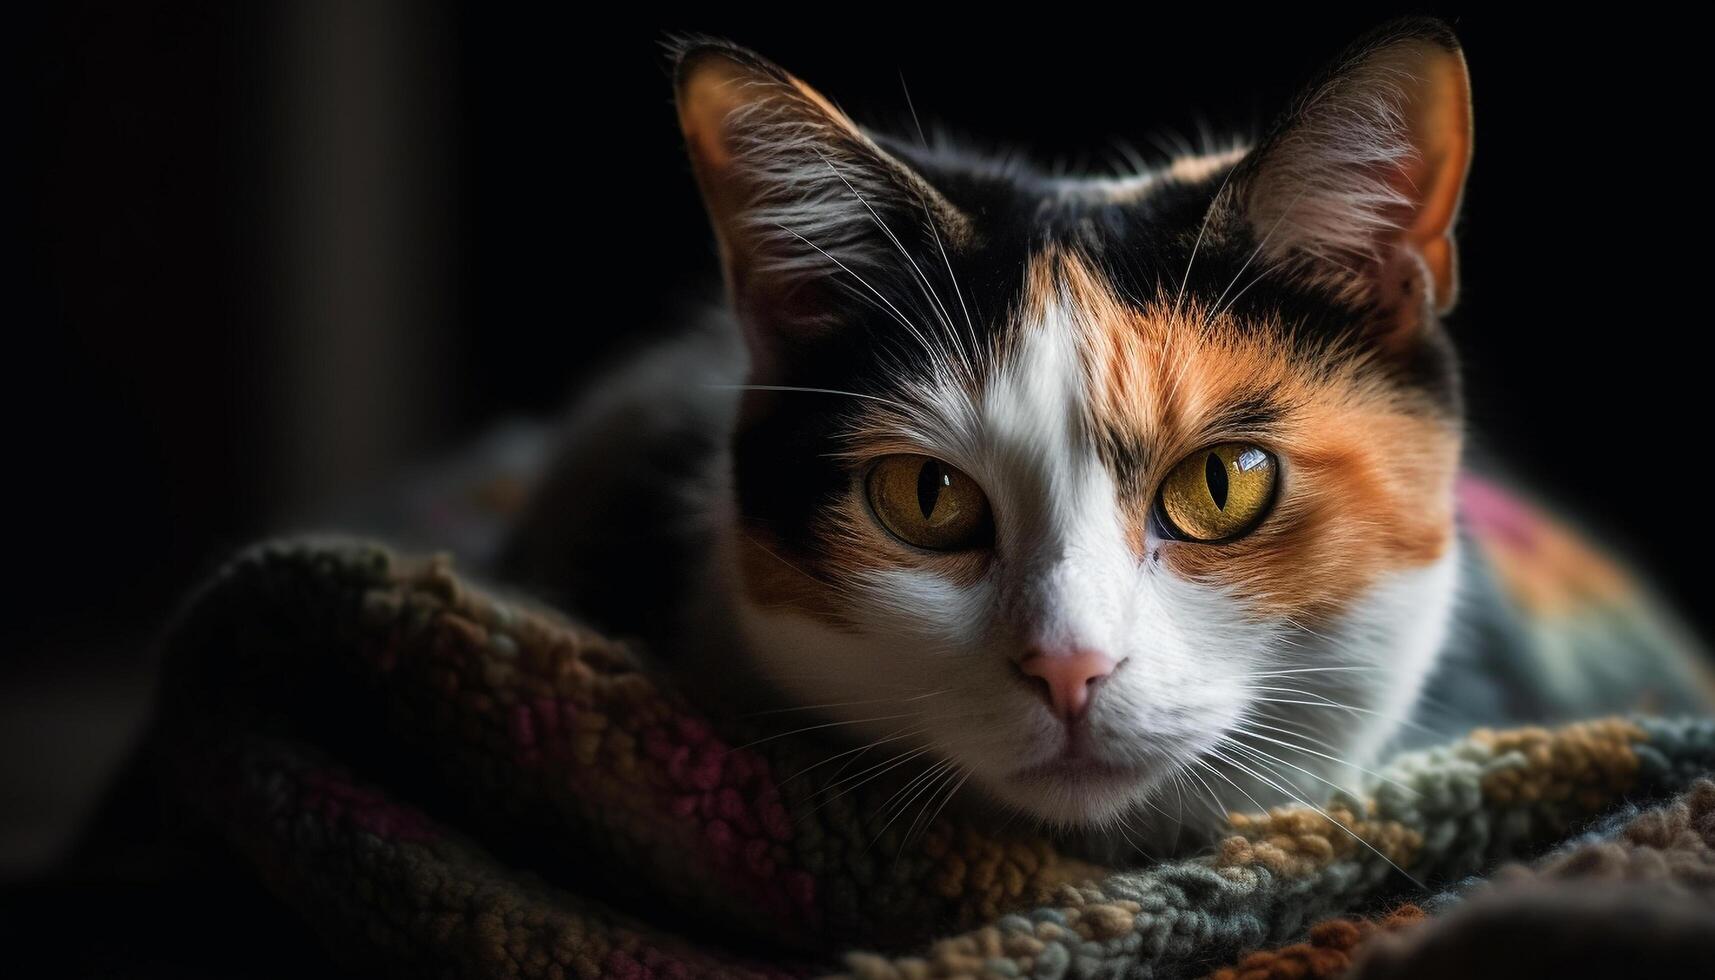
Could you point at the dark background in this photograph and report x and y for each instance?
(277, 253)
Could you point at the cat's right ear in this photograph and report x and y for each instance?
(1358, 185)
(810, 214)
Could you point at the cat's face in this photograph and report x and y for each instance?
(1089, 490)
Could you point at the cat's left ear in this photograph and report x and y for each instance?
(806, 207)
(1357, 187)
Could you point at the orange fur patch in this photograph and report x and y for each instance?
(1366, 470)
(852, 544)
(774, 581)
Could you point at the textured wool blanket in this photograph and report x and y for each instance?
(444, 782)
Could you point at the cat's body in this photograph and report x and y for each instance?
(1091, 497)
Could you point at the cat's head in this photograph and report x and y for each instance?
(1089, 488)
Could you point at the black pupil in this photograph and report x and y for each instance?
(930, 479)
(1215, 472)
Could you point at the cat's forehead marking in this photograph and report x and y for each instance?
(1145, 384)
(1063, 355)
(1158, 381)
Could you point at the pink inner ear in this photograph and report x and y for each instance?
(710, 88)
(1374, 160)
(1440, 129)
(1404, 286)
(795, 192)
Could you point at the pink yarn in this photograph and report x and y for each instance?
(339, 801)
(1492, 512)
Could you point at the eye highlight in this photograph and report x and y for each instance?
(1218, 493)
(926, 503)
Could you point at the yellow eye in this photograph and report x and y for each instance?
(1218, 493)
(925, 502)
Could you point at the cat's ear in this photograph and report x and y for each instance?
(1358, 185)
(806, 208)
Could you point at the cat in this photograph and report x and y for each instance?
(1098, 493)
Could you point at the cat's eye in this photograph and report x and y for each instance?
(1218, 493)
(927, 503)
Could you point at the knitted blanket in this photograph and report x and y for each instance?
(444, 782)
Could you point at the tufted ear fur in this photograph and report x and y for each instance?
(802, 201)
(1356, 188)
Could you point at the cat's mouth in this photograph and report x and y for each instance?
(1078, 769)
(1080, 782)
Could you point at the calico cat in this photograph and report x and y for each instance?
(1091, 494)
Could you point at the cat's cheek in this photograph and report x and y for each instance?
(851, 545)
(769, 579)
(847, 563)
(1329, 542)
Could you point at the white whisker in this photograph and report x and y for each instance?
(1296, 798)
(813, 391)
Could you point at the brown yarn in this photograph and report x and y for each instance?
(1671, 848)
(1294, 841)
(1583, 763)
(1327, 953)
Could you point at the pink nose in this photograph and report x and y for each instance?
(1068, 677)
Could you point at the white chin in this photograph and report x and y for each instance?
(1071, 794)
